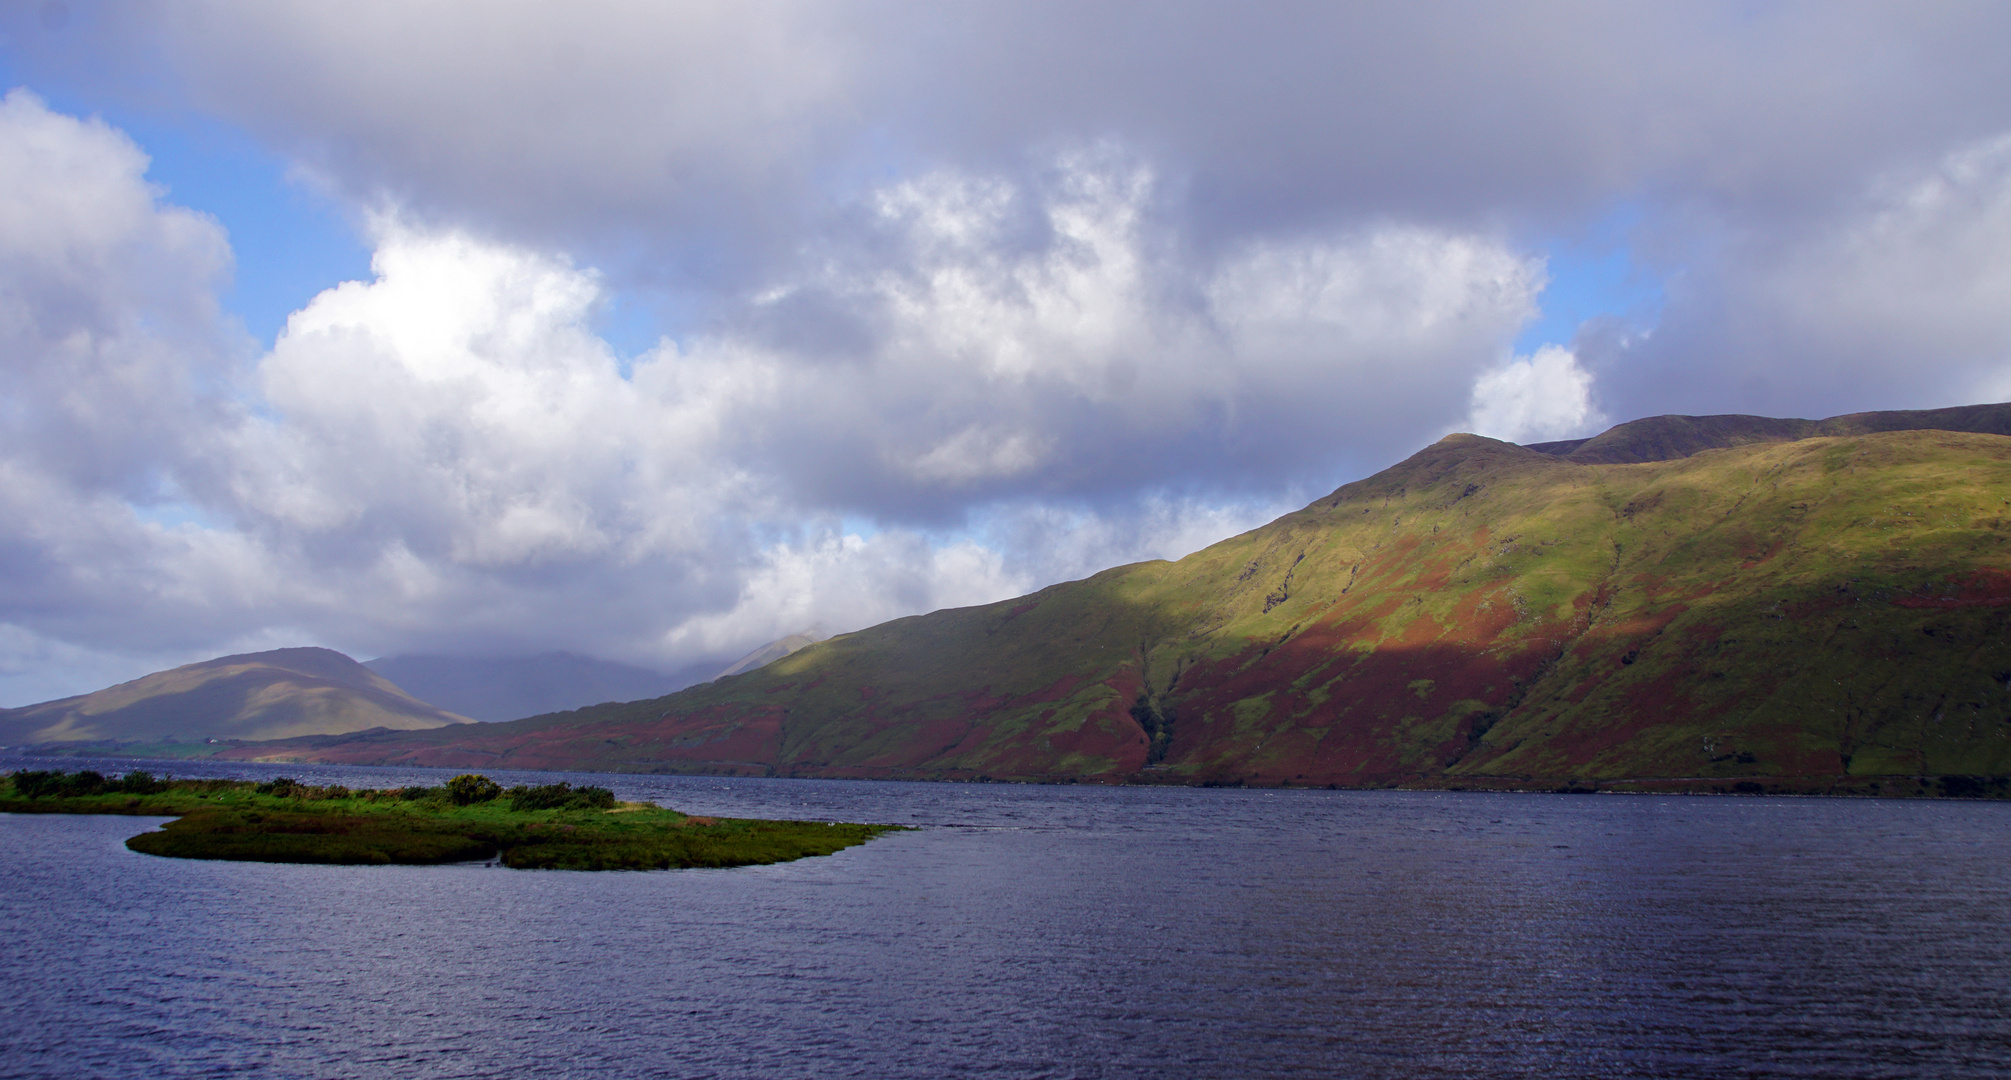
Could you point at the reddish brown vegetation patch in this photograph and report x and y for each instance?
(1980, 588)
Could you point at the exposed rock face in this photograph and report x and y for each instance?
(1837, 605)
(267, 695)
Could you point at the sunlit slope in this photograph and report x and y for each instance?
(1812, 608)
(267, 695)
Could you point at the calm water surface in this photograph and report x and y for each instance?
(1047, 931)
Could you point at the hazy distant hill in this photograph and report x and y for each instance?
(773, 651)
(506, 689)
(1816, 611)
(267, 695)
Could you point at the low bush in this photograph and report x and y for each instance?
(560, 796)
(34, 784)
(468, 789)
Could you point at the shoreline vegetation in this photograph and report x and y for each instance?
(1885, 785)
(543, 827)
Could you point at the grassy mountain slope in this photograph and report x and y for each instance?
(1483, 612)
(267, 695)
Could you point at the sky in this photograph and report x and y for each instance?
(656, 331)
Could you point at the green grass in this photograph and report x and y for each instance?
(296, 823)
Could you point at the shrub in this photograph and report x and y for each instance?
(469, 788)
(560, 796)
(284, 787)
(141, 782)
(35, 783)
(1962, 787)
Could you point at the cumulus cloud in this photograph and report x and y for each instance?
(1041, 339)
(109, 324)
(844, 582)
(1535, 398)
(446, 456)
(452, 428)
(111, 352)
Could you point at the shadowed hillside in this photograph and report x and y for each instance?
(267, 695)
(1832, 607)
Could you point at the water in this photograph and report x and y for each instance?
(1048, 931)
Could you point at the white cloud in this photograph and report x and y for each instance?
(1012, 339)
(108, 316)
(456, 403)
(1535, 399)
(111, 352)
(846, 582)
(447, 456)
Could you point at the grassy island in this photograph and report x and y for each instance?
(546, 827)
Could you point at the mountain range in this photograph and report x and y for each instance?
(1722, 601)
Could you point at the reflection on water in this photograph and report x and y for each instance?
(1048, 931)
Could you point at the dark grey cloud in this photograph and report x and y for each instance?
(719, 128)
(718, 150)
(1893, 299)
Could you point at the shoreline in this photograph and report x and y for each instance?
(1888, 786)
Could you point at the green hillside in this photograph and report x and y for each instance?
(1812, 613)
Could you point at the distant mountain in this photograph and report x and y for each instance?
(266, 695)
(1667, 438)
(510, 688)
(773, 651)
(1726, 605)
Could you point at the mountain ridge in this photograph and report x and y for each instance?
(1672, 436)
(1823, 610)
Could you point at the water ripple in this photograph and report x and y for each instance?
(1049, 932)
